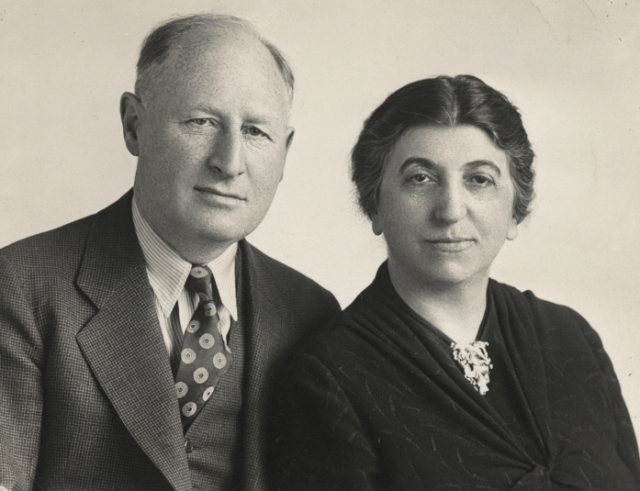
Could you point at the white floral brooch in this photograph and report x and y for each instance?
(475, 361)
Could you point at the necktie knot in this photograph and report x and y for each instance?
(200, 280)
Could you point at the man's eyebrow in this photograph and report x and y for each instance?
(254, 117)
(476, 164)
(204, 107)
(259, 119)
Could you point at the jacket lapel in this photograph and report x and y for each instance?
(267, 319)
(123, 343)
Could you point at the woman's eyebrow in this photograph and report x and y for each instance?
(476, 164)
(429, 164)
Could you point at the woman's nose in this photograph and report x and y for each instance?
(226, 157)
(451, 206)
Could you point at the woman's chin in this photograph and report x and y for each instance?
(448, 275)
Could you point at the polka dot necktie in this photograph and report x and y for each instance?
(204, 357)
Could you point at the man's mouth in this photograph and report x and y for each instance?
(220, 193)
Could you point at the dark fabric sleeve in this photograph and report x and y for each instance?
(627, 444)
(21, 365)
(316, 440)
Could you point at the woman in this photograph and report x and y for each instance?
(437, 377)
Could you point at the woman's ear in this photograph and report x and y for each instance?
(375, 225)
(512, 232)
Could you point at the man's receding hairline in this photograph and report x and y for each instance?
(167, 36)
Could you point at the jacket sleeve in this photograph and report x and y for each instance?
(21, 383)
(317, 440)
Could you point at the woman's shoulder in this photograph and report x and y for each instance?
(533, 303)
(548, 318)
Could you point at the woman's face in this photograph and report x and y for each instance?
(445, 205)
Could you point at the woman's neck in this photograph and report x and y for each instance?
(455, 309)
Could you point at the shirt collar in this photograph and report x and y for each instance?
(168, 271)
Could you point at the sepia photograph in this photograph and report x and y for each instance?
(284, 245)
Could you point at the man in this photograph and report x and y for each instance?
(102, 319)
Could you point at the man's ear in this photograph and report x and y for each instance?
(290, 133)
(130, 112)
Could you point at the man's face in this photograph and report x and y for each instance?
(212, 143)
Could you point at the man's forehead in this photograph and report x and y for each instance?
(204, 38)
(207, 54)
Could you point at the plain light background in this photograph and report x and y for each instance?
(571, 66)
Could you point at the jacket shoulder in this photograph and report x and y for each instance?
(287, 278)
(51, 247)
(58, 252)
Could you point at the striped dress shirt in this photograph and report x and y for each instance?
(168, 273)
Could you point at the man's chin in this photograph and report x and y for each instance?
(222, 234)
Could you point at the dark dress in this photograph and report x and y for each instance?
(378, 403)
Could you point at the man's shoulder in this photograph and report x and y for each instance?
(276, 270)
(63, 245)
(62, 242)
(284, 281)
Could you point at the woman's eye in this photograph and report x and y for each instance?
(481, 179)
(420, 178)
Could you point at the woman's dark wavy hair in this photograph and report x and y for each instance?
(442, 101)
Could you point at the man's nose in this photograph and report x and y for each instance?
(451, 205)
(226, 157)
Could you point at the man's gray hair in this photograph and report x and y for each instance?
(158, 45)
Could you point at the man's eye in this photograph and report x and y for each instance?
(203, 122)
(253, 131)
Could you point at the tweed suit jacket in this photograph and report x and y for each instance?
(87, 398)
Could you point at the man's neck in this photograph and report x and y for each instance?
(198, 255)
(192, 251)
